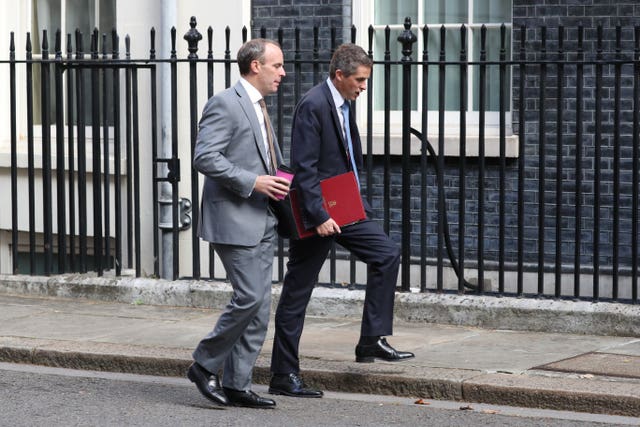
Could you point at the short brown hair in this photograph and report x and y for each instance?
(347, 58)
(251, 51)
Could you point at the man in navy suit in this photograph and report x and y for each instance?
(325, 142)
(237, 153)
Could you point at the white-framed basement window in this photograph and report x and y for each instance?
(69, 15)
(434, 14)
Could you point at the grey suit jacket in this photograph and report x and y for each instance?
(230, 152)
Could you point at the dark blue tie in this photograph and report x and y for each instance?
(347, 131)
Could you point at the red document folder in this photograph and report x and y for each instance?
(342, 201)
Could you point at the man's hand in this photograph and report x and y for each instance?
(328, 228)
(272, 186)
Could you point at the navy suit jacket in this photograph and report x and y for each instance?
(319, 150)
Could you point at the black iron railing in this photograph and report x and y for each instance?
(561, 213)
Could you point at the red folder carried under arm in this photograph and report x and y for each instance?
(341, 199)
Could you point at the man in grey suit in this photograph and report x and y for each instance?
(237, 153)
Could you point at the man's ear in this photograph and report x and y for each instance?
(255, 66)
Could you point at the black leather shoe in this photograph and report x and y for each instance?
(380, 350)
(291, 385)
(207, 383)
(248, 399)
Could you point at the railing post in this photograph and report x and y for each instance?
(45, 107)
(386, 180)
(14, 156)
(210, 92)
(636, 166)
(559, 161)
(128, 149)
(60, 193)
(440, 170)
(96, 157)
(297, 65)
(578, 163)
(173, 164)
(192, 37)
(30, 160)
(316, 55)
(407, 39)
(71, 150)
(82, 156)
(482, 99)
(542, 129)
(135, 120)
(463, 156)
(423, 160)
(227, 57)
(597, 164)
(503, 159)
(117, 154)
(369, 159)
(106, 168)
(521, 163)
(616, 165)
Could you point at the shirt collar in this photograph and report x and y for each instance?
(254, 94)
(337, 98)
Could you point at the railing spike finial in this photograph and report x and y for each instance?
(29, 47)
(45, 43)
(58, 46)
(152, 40)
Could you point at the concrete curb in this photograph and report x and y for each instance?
(524, 314)
(558, 393)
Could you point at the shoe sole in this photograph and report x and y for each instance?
(192, 377)
(247, 405)
(286, 393)
(372, 359)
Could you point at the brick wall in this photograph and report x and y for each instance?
(333, 21)
(571, 14)
(552, 13)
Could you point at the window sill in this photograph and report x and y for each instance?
(23, 161)
(451, 144)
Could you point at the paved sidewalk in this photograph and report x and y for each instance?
(452, 362)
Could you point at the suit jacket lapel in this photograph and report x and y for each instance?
(336, 122)
(250, 113)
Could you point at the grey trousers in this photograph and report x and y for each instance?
(236, 340)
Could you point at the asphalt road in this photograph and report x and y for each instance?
(34, 396)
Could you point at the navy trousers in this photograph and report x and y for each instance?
(371, 245)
